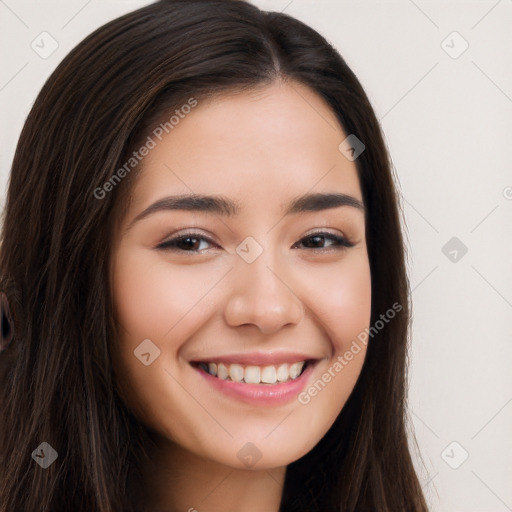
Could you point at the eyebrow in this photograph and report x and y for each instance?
(223, 206)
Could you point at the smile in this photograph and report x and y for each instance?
(250, 374)
(257, 379)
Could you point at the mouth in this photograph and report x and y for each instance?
(257, 380)
(269, 375)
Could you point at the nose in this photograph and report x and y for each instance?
(263, 296)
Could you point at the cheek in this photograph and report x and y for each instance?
(341, 300)
(163, 303)
(149, 305)
(152, 297)
(352, 302)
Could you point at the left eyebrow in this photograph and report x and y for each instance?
(223, 206)
(317, 202)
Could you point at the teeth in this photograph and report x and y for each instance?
(269, 375)
(282, 373)
(295, 369)
(236, 372)
(252, 375)
(255, 374)
(222, 372)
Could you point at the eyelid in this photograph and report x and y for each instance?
(324, 231)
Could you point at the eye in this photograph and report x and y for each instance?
(316, 240)
(191, 242)
(187, 242)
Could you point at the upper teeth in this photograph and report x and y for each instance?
(254, 374)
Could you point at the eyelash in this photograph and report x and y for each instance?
(172, 244)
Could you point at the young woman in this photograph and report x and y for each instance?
(204, 297)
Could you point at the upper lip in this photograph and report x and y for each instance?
(258, 358)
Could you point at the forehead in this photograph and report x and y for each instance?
(266, 144)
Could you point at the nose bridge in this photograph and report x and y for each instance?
(260, 294)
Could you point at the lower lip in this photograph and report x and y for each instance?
(260, 394)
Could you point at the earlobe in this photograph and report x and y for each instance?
(6, 322)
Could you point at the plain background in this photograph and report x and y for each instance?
(447, 118)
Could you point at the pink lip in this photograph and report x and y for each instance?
(258, 358)
(260, 394)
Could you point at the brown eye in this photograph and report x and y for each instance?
(188, 242)
(317, 241)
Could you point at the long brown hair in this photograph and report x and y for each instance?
(56, 376)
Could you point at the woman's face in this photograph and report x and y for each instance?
(265, 273)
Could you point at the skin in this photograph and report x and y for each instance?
(261, 148)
